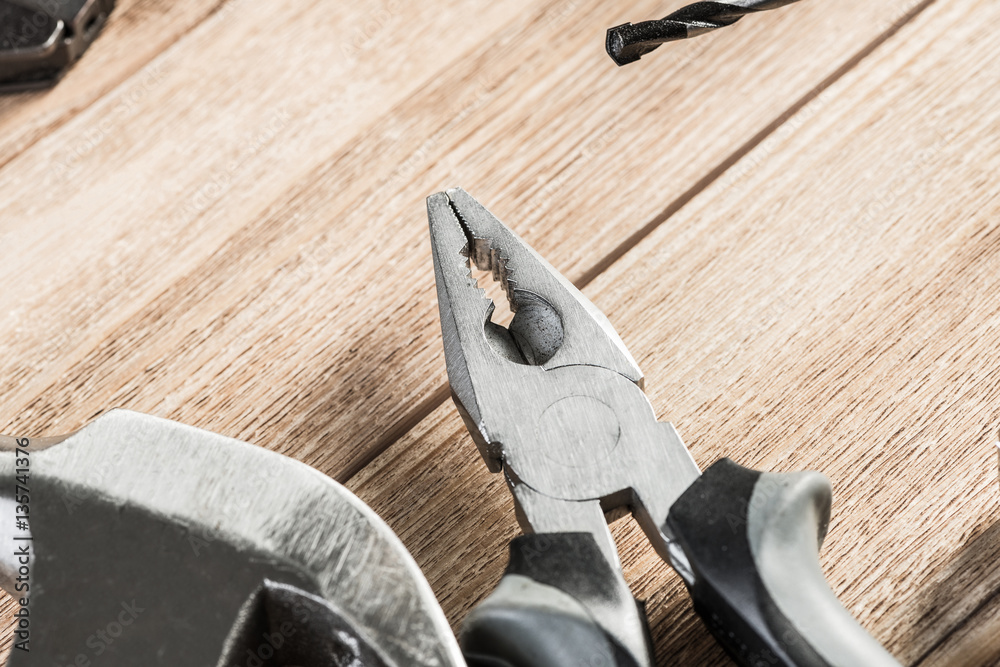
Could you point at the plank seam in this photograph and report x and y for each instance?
(983, 604)
(440, 396)
(750, 145)
(432, 402)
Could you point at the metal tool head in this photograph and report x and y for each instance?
(555, 400)
(155, 543)
(40, 39)
(554, 324)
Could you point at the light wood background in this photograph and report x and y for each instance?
(217, 217)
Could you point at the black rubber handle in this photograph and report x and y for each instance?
(751, 540)
(552, 608)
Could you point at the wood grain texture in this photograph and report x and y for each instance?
(249, 253)
(829, 303)
(246, 252)
(137, 32)
(186, 186)
(974, 641)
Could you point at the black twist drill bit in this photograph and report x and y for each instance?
(629, 42)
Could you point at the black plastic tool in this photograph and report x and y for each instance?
(40, 39)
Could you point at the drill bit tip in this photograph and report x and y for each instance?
(628, 42)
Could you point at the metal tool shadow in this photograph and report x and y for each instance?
(967, 594)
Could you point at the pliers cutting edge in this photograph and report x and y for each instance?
(555, 402)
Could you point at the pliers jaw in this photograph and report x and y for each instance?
(554, 325)
(464, 347)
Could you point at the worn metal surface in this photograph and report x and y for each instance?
(182, 526)
(555, 400)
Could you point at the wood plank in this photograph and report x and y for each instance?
(103, 234)
(251, 255)
(973, 643)
(195, 170)
(137, 32)
(830, 303)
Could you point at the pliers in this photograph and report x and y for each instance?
(555, 403)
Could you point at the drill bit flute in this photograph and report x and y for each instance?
(629, 42)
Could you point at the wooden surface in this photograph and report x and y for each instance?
(217, 217)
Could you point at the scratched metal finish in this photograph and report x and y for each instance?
(278, 518)
(573, 425)
(555, 399)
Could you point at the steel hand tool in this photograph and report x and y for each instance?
(628, 42)
(154, 543)
(40, 39)
(555, 402)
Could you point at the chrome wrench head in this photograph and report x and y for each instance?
(204, 538)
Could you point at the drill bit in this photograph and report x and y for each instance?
(629, 42)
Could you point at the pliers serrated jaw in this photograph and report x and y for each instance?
(554, 324)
